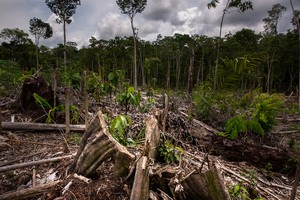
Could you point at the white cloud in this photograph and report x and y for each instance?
(113, 25)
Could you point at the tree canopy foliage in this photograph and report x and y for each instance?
(64, 9)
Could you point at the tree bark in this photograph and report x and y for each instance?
(98, 145)
(140, 189)
(40, 126)
(207, 185)
(152, 136)
(296, 181)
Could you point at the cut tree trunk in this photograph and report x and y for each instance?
(207, 185)
(152, 136)
(13, 126)
(98, 145)
(140, 189)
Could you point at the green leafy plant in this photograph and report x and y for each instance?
(204, 101)
(74, 137)
(52, 111)
(169, 152)
(95, 85)
(119, 128)
(260, 119)
(235, 125)
(150, 102)
(266, 109)
(240, 192)
(128, 97)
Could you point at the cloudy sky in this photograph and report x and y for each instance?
(103, 19)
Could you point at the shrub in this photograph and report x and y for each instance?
(260, 119)
(169, 152)
(128, 97)
(204, 101)
(10, 76)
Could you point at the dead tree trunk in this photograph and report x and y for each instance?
(207, 185)
(98, 145)
(152, 136)
(140, 189)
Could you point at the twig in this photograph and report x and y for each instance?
(38, 162)
(245, 179)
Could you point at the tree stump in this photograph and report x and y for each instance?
(98, 145)
(27, 102)
(140, 189)
(207, 185)
(152, 136)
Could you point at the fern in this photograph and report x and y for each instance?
(260, 121)
(266, 109)
(236, 125)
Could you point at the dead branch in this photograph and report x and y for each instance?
(202, 124)
(40, 126)
(30, 192)
(38, 162)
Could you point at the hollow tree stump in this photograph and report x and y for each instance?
(98, 145)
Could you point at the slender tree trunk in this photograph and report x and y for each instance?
(201, 67)
(65, 43)
(296, 182)
(191, 69)
(168, 72)
(178, 68)
(142, 58)
(37, 50)
(219, 46)
(134, 55)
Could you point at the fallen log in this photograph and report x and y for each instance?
(28, 164)
(13, 126)
(97, 146)
(30, 192)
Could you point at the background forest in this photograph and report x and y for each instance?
(246, 60)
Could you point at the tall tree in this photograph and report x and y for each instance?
(39, 29)
(131, 8)
(241, 6)
(271, 21)
(64, 10)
